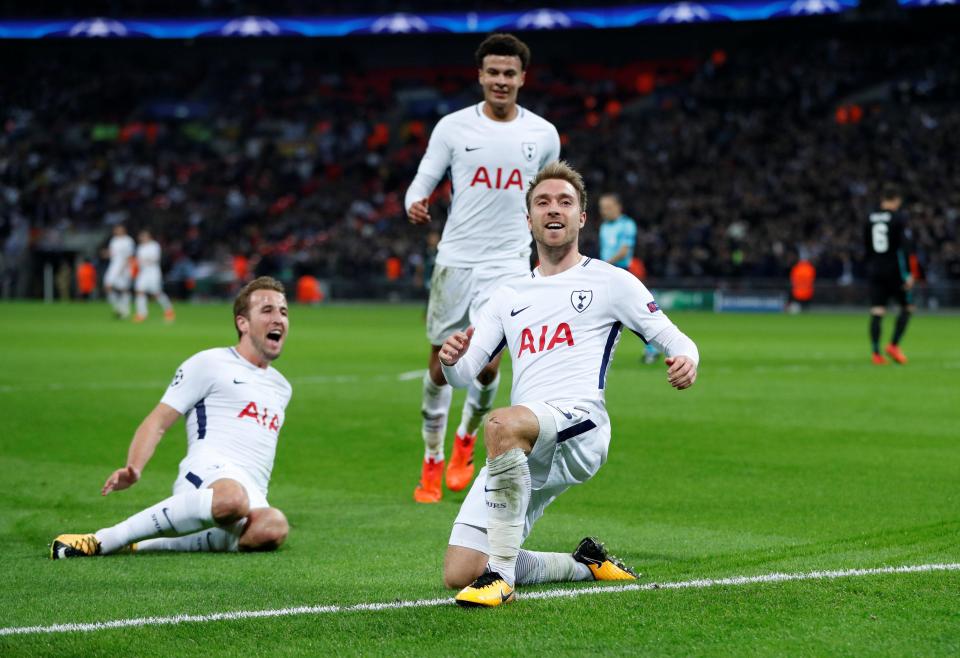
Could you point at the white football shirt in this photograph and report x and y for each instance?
(233, 409)
(121, 250)
(490, 163)
(562, 331)
(148, 256)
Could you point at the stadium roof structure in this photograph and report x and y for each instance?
(422, 23)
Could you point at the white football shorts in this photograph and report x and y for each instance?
(149, 281)
(457, 293)
(571, 448)
(199, 471)
(117, 276)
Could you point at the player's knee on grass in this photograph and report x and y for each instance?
(462, 566)
(230, 501)
(509, 428)
(266, 530)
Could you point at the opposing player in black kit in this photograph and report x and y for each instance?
(888, 268)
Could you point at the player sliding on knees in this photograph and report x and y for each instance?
(561, 326)
(234, 403)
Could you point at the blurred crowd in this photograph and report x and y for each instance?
(734, 162)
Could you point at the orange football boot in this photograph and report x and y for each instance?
(878, 360)
(169, 316)
(895, 353)
(431, 476)
(139, 318)
(460, 470)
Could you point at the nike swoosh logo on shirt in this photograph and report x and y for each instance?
(513, 313)
(488, 490)
(237, 381)
(566, 414)
(475, 148)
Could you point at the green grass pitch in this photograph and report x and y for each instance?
(792, 454)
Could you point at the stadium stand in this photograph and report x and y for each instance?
(734, 158)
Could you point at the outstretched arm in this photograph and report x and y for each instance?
(682, 357)
(459, 361)
(144, 443)
(642, 314)
(464, 354)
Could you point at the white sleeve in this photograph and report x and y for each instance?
(488, 339)
(552, 153)
(639, 312)
(673, 342)
(432, 167)
(192, 382)
(461, 373)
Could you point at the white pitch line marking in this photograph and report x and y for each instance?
(570, 592)
(413, 374)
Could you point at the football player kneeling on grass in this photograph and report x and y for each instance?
(561, 327)
(234, 402)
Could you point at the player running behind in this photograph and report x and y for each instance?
(234, 403)
(117, 278)
(889, 272)
(150, 278)
(491, 150)
(561, 325)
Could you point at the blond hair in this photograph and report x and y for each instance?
(559, 170)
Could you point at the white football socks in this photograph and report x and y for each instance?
(141, 305)
(211, 540)
(507, 492)
(477, 405)
(534, 568)
(123, 301)
(435, 409)
(177, 515)
(164, 301)
(120, 301)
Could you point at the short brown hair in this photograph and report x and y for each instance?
(241, 305)
(503, 44)
(890, 192)
(612, 195)
(559, 170)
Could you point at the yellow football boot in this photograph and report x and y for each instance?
(487, 591)
(66, 546)
(602, 565)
